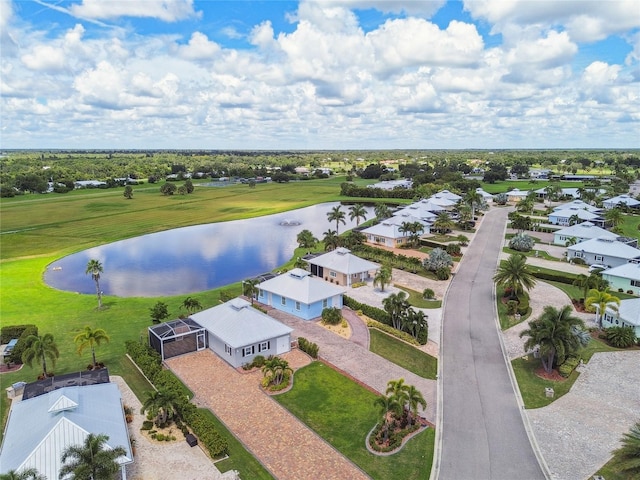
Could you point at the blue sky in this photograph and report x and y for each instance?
(333, 74)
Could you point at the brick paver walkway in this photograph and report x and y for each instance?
(286, 447)
(359, 331)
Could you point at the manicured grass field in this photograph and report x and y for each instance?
(532, 387)
(342, 412)
(402, 354)
(417, 300)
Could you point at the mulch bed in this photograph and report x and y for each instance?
(554, 376)
(12, 368)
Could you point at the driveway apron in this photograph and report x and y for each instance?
(483, 435)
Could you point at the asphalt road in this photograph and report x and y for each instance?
(483, 434)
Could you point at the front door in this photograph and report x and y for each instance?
(282, 345)
(201, 343)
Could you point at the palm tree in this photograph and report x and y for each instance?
(626, 459)
(275, 370)
(599, 300)
(571, 241)
(161, 404)
(465, 215)
(574, 219)
(415, 231)
(250, 288)
(90, 338)
(614, 217)
(337, 215)
(357, 212)
(306, 239)
(405, 228)
(331, 240)
(94, 267)
(556, 333)
(396, 305)
(399, 389)
(382, 277)
(474, 200)
(414, 399)
(382, 211)
(24, 474)
(552, 192)
(191, 305)
(513, 273)
(443, 223)
(388, 404)
(41, 348)
(585, 282)
(92, 460)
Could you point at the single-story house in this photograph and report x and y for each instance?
(391, 184)
(448, 195)
(343, 267)
(516, 195)
(603, 251)
(40, 428)
(299, 293)
(581, 232)
(625, 277)
(424, 205)
(486, 196)
(386, 233)
(563, 217)
(415, 212)
(577, 205)
(237, 332)
(621, 200)
(628, 315)
(444, 202)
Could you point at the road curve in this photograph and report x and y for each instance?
(483, 434)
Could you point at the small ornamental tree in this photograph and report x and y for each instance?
(438, 259)
(168, 189)
(331, 316)
(128, 192)
(521, 242)
(159, 312)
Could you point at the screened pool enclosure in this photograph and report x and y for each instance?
(177, 337)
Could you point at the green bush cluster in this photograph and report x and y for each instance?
(569, 365)
(257, 362)
(620, 337)
(578, 261)
(555, 277)
(372, 312)
(331, 316)
(150, 363)
(147, 425)
(16, 353)
(397, 333)
(523, 304)
(308, 347)
(453, 249)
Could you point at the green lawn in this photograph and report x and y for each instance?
(342, 412)
(403, 354)
(532, 253)
(507, 321)
(532, 387)
(417, 300)
(610, 473)
(631, 226)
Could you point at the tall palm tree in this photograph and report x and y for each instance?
(552, 192)
(415, 231)
(92, 460)
(556, 333)
(250, 288)
(388, 405)
(405, 228)
(357, 212)
(626, 459)
(584, 282)
(614, 217)
(306, 239)
(514, 273)
(396, 305)
(191, 305)
(161, 404)
(90, 338)
(414, 399)
(382, 211)
(337, 215)
(474, 200)
(24, 474)
(40, 348)
(331, 240)
(443, 222)
(382, 277)
(599, 300)
(574, 219)
(94, 267)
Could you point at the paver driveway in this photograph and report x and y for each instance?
(286, 447)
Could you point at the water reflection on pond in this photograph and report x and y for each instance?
(193, 259)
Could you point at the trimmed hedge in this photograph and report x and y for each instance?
(371, 312)
(567, 278)
(308, 347)
(569, 366)
(394, 332)
(12, 331)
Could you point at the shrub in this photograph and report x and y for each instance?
(160, 437)
(428, 294)
(578, 261)
(331, 316)
(555, 277)
(438, 259)
(453, 249)
(308, 347)
(630, 292)
(523, 304)
(569, 366)
(258, 361)
(372, 312)
(521, 242)
(206, 431)
(226, 295)
(512, 307)
(443, 273)
(621, 337)
(147, 425)
(12, 331)
(16, 353)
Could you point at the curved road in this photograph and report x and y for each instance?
(483, 434)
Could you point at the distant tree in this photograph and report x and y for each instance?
(382, 277)
(128, 192)
(159, 312)
(337, 215)
(191, 305)
(252, 183)
(91, 338)
(250, 288)
(168, 189)
(357, 212)
(280, 177)
(182, 190)
(94, 267)
(40, 348)
(614, 217)
(382, 211)
(188, 185)
(331, 240)
(306, 239)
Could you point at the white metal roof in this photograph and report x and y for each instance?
(343, 261)
(385, 229)
(238, 324)
(585, 230)
(629, 270)
(299, 285)
(629, 311)
(41, 428)
(577, 204)
(606, 246)
(620, 199)
(568, 213)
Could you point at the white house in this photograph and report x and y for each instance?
(628, 315)
(486, 196)
(564, 216)
(391, 184)
(300, 294)
(516, 195)
(423, 208)
(604, 251)
(581, 232)
(621, 200)
(389, 232)
(237, 332)
(625, 277)
(40, 428)
(448, 195)
(342, 266)
(577, 205)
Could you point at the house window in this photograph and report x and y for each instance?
(297, 305)
(599, 258)
(261, 294)
(333, 274)
(283, 300)
(227, 349)
(264, 346)
(325, 303)
(248, 351)
(635, 283)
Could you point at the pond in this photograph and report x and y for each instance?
(193, 259)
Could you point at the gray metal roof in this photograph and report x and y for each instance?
(606, 246)
(41, 428)
(175, 328)
(299, 285)
(343, 261)
(238, 324)
(629, 311)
